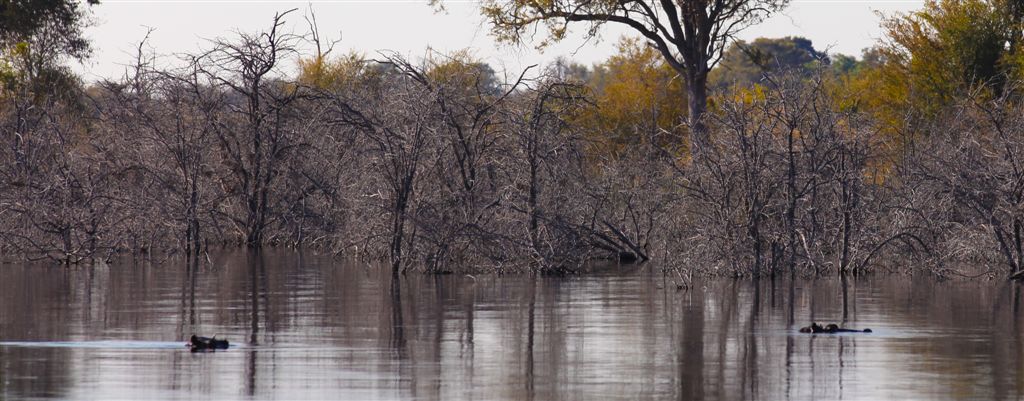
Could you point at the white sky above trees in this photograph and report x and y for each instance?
(409, 27)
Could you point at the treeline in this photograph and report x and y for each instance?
(905, 159)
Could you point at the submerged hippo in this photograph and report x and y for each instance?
(197, 343)
(829, 329)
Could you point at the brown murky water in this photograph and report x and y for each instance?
(309, 327)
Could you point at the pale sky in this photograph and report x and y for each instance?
(409, 27)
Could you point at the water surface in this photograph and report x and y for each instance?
(310, 327)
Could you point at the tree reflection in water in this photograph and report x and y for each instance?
(310, 327)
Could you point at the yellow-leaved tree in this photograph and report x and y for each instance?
(323, 72)
(461, 70)
(688, 35)
(637, 95)
(930, 58)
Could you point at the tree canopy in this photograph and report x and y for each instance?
(53, 24)
(690, 35)
(35, 35)
(636, 94)
(745, 62)
(933, 58)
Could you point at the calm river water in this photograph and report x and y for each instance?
(311, 327)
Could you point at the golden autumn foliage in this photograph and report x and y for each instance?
(931, 58)
(461, 69)
(638, 97)
(325, 73)
(26, 75)
(9, 73)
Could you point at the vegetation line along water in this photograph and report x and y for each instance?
(688, 149)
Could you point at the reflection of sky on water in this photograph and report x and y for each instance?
(319, 330)
(96, 344)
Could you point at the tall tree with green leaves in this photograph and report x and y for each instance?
(934, 57)
(689, 34)
(58, 21)
(35, 35)
(950, 46)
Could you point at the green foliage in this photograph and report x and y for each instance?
(931, 59)
(9, 74)
(570, 71)
(948, 48)
(935, 56)
(843, 64)
(35, 37)
(744, 63)
(53, 26)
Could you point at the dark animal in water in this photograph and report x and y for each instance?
(830, 328)
(197, 343)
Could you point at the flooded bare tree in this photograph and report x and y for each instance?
(396, 124)
(163, 122)
(442, 165)
(259, 129)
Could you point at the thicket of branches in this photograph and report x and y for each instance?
(438, 166)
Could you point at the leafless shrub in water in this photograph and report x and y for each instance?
(439, 168)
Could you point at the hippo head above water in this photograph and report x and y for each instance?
(830, 328)
(197, 343)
